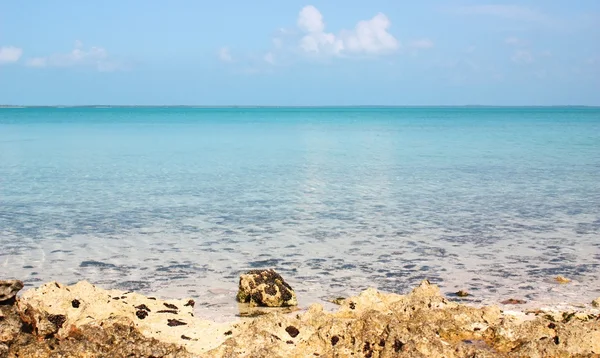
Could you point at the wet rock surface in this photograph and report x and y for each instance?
(265, 288)
(45, 322)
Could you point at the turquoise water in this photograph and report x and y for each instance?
(496, 201)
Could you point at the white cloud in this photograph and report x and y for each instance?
(592, 60)
(422, 44)
(37, 62)
(225, 55)
(522, 56)
(269, 58)
(368, 36)
(310, 20)
(10, 54)
(515, 41)
(95, 57)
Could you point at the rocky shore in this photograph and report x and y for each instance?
(83, 320)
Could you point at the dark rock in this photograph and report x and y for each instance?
(167, 311)
(292, 331)
(265, 288)
(141, 314)
(513, 301)
(175, 322)
(143, 307)
(171, 306)
(57, 319)
(93, 263)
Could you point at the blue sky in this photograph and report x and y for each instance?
(291, 52)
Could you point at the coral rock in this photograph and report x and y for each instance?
(50, 312)
(265, 288)
(596, 302)
(9, 289)
(420, 324)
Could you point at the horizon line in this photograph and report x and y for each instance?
(293, 106)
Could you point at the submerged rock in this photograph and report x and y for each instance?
(338, 300)
(596, 302)
(513, 301)
(562, 279)
(462, 293)
(9, 289)
(265, 288)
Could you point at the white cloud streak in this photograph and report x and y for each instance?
(10, 54)
(94, 57)
(516, 42)
(421, 44)
(225, 55)
(269, 58)
(522, 57)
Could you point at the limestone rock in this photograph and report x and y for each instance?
(9, 289)
(265, 288)
(115, 337)
(85, 321)
(420, 324)
(56, 310)
(10, 325)
(596, 302)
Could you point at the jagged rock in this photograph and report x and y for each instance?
(596, 302)
(420, 324)
(85, 321)
(265, 288)
(10, 325)
(115, 337)
(56, 310)
(9, 289)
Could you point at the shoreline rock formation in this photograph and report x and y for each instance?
(265, 288)
(83, 320)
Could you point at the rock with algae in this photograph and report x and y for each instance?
(56, 310)
(420, 324)
(265, 288)
(85, 321)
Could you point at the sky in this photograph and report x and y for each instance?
(289, 53)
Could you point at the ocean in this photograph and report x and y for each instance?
(178, 201)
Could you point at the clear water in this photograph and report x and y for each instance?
(180, 201)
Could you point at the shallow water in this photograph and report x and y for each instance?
(180, 201)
